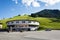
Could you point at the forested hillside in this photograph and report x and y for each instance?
(47, 13)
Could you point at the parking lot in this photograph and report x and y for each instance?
(32, 35)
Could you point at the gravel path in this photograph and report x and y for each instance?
(33, 35)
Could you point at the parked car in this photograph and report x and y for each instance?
(48, 29)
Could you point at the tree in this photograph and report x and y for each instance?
(19, 15)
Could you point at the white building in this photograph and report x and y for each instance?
(1, 25)
(23, 25)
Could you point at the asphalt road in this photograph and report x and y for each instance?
(33, 35)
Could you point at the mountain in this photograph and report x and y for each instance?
(47, 19)
(47, 13)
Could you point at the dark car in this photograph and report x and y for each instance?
(48, 29)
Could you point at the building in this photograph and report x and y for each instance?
(22, 25)
(1, 25)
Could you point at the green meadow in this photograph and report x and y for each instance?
(52, 23)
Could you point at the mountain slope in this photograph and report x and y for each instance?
(52, 23)
(47, 13)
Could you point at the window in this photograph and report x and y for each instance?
(17, 21)
(23, 21)
(12, 22)
(33, 25)
(29, 21)
(8, 23)
(33, 21)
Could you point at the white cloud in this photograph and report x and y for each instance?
(16, 1)
(50, 2)
(46, 4)
(34, 3)
(27, 2)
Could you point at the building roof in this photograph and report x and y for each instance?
(21, 20)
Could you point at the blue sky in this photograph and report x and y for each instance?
(10, 8)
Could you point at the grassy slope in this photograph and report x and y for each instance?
(44, 22)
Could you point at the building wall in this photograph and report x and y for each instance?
(32, 25)
(0, 26)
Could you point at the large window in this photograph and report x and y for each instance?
(23, 21)
(33, 25)
(29, 21)
(12, 22)
(17, 21)
(8, 22)
(33, 21)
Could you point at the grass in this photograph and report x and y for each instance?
(52, 23)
